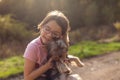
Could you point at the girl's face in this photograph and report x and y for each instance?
(49, 31)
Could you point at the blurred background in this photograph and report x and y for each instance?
(90, 20)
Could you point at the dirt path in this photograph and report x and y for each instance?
(105, 67)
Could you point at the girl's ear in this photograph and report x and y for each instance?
(41, 27)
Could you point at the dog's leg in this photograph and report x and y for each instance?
(76, 60)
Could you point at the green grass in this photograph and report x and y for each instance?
(89, 48)
(14, 65)
(11, 66)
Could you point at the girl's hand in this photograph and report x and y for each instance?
(49, 64)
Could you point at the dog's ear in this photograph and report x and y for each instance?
(51, 46)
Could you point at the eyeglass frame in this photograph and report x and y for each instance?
(45, 28)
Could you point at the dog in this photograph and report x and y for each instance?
(58, 50)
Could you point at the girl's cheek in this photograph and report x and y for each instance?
(42, 33)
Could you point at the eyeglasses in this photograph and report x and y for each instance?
(48, 30)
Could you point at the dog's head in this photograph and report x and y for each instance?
(57, 49)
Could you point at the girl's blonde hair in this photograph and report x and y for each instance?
(61, 20)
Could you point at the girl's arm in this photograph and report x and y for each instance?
(30, 73)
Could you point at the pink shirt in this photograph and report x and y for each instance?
(36, 51)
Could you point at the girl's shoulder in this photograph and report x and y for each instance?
(36, 42)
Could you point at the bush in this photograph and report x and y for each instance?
(12, 30)
(13, 36)
(75, 36)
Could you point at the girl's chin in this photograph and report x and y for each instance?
(45, 41)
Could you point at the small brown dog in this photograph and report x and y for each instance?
(58, 50)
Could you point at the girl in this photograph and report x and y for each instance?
(54, 25)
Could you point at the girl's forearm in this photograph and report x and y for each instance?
(36, 73)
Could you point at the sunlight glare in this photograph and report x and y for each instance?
(0, 0)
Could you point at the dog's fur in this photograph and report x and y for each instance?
(58, 51)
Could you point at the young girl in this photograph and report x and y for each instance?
(54, 25)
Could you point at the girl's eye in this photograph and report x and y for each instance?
(47, 29)
(55, 35)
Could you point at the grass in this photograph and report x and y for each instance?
(14, 65)
(11, 66)
(89, 48)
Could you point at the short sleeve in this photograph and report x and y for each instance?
(31, 52)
